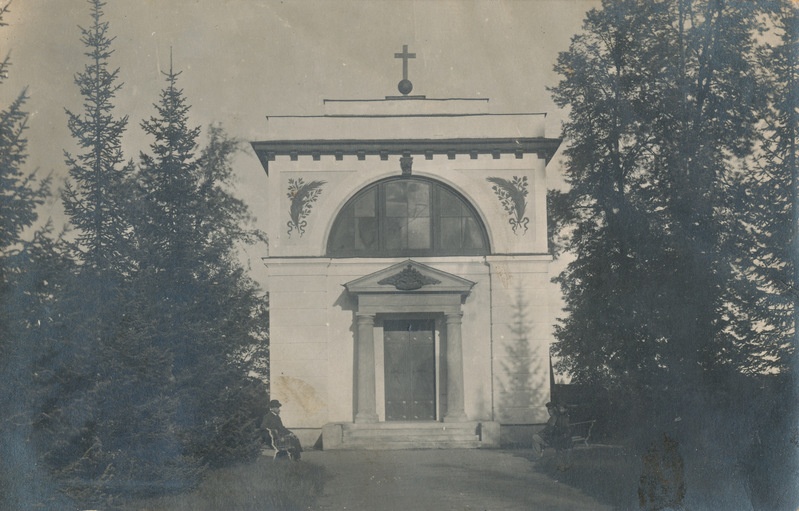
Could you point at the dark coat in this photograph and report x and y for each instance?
(273, 422)
(280, 437)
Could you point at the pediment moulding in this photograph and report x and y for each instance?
(410, 277)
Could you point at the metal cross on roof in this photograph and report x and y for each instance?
(405, 86)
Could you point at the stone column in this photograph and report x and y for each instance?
(366, 369)
(455, 411)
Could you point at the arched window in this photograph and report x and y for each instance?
(407, 217)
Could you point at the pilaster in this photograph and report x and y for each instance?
(455, 409)
(366, 408)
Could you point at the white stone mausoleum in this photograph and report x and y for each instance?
(408, 271)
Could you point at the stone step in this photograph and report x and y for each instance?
(412, 424)
(407, 439)
(433, 433)
(409, 435)
(413, 444)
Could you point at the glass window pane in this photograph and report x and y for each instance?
(365, 204)
(448, 204)
(396, 209)
(367, 233)
(473, 235)
(450, 234)
(396, 199)
(402, 224)
(344, 232)
(419, 233)
(418, 199)
(396, 233)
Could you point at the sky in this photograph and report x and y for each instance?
(242, 60)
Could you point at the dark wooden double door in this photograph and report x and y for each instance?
(410, 378)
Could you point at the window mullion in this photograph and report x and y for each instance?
(434, 224)
(380, 208)
(441, 240)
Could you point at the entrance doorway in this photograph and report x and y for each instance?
(410, 370)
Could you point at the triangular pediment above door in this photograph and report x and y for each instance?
(410, 277)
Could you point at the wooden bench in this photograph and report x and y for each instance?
(581, 431)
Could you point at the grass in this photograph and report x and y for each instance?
(608, 474)
(262, 485)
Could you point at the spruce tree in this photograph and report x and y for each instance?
(765, 299)
(29, 268)
(97, 400)
(768, 198)
(94, 196)
(21, 192)
(680, 215)
(663, 99)
(207, 314)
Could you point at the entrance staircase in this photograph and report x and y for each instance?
(410, 435)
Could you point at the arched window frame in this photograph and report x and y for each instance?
(435, 242)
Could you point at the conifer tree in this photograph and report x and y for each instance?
(76, 441)
(146, 379)
(681, 216)
(105, 411)
(765, 299)
(21, 193)
(663, 99)
(29, 265)
(208, 315)
(767, 228)
(94, 198)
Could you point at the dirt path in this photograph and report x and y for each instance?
(440, 480)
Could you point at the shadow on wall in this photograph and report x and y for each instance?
(522, 387)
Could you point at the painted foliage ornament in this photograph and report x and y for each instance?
(512, 194)
(301, 195)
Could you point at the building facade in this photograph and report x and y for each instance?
(408, 271)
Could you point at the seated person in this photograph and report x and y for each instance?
(556, 431)
(281, 438)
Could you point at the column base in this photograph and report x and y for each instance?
(366, 417)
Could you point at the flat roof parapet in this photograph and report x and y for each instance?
(406, 105)
(405, 126)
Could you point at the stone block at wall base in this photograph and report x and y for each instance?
(490, 435)
(332, 436)
(310, 438)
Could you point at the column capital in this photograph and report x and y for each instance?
(454, 317)
(364, 318)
